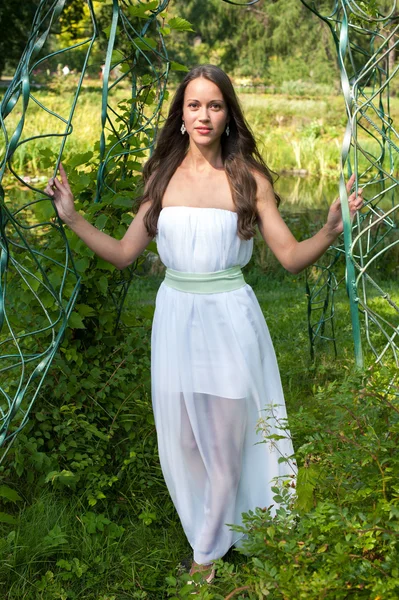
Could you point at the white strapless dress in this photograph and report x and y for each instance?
(214, 374)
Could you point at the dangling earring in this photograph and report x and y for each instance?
(183, 128)
(227, 130)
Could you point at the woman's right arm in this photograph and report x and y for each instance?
(120, 253)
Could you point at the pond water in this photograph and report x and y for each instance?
(298, 194)
(302, 194)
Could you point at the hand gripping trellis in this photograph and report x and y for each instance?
(29, 341)
(365, 41)
(29, 345)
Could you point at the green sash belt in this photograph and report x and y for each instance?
(205, 283)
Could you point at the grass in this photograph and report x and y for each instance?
(294, 133)
(52, 553)
(54, 529)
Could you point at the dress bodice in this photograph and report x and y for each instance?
(200, 240)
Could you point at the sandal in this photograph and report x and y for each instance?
(206, 578)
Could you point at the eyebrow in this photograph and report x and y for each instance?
(195, 100)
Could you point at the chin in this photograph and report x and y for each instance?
(205, 140)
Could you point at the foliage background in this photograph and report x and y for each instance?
(84, 509)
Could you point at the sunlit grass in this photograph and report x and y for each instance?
(294, 133)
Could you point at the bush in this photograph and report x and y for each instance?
(339, 538)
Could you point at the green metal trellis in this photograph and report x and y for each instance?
(24, 261)
(365, 42)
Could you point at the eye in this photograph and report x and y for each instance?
(216, 106)
(192, 105)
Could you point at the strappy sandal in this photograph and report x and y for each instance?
(205, 578)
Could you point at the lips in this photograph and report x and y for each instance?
(203, 129)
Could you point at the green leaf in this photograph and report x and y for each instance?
(117, 56)
(102, 284)
(34, 283)
(105, 265)
(278, 499)
(174, 66)
(84, 310)
(138, 11)
(52, 475)
(152, 247)
(47, 158)
(81, 158)
(180, 24)
(82, 264)
(124, 202)
(10, 494)
(55, 537)
(145, 43)
(142, 10)
(127, 219)
(147, 311)
(107, 31)
(257, 563)
(134, 165)
(75, 321)
(44, 210)
(5, 518)
(101, 221)
(149, 98)
(305, 486)
(93, 429)
(81, 182)
(124, 67)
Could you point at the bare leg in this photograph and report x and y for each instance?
(221, 429)
(192, 456)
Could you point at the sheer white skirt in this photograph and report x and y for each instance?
(214, 375)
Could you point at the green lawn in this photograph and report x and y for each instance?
(293, 132)
(60, 545)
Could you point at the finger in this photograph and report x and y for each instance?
(355, 196)
(58, 184)
(63, 174)
(350, 182)
(48, 191)
(356, 205)
(336, 205)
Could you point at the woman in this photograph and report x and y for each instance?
(214, 370)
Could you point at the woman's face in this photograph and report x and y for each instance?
(205, 113)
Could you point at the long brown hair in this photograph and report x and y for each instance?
(240, 155)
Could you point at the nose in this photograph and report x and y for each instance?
(203, 116)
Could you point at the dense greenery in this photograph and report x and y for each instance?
(16, 21)
(85, 510)
(270, 42)
(85, 513)
(90, 515)
(340, 538)
(273, 42)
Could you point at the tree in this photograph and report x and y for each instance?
(16, 20)
(272, 40)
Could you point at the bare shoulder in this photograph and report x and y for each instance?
(265, 196)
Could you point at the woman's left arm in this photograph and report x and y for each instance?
(293, 255)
